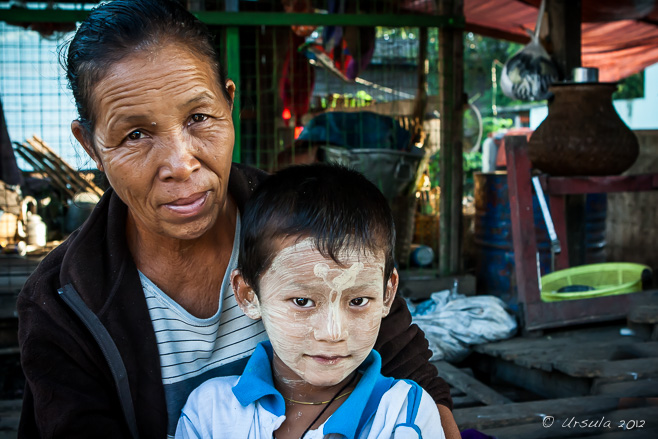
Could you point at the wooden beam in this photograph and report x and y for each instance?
(497, 33)
(626, 389)
(232, 63)
(469, 385)
(522, 219)
(565, 18)
(540, 382)
(624, 370)
(483, 418)
(235, 18)
(537, 430)
(451, 108)
(595, 185)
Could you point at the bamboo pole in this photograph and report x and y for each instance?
(35, 162)
(451, 84)
(75, 175)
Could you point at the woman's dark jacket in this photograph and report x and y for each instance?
(85, 299)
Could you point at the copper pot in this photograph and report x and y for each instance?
(583, 134)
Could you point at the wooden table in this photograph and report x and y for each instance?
(536, 314)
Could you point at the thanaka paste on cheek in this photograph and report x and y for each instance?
(323, 338)
(252, 308)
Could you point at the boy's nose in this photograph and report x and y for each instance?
(331, 326)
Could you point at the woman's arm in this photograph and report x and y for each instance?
(448, 423)
(405, 355)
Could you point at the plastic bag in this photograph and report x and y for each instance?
(530, 71)
(453, 322)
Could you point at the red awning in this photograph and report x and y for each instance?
(620, 37)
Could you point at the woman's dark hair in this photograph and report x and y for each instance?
(337, 207)
(116, 29)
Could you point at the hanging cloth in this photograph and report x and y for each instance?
(9, 171)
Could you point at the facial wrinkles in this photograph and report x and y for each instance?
(297, 333)
(143, 97)
(157, 94)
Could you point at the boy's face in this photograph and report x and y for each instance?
(322, 318)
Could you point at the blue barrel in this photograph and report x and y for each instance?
(493, 236)
(596, 213)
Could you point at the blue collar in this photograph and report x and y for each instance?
(256, 384)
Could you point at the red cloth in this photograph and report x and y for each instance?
(297, 79)
(617, 48)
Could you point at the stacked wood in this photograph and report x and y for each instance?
(62, 175)
(599, 382)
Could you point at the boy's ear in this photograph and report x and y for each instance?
(245, 296)
(391, 289)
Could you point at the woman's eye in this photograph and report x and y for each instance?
(303, 302)
(135, 135)
(359, 301)
(199, 118)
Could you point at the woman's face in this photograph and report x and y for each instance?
(164, 138)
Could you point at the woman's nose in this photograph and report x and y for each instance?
(180, 158)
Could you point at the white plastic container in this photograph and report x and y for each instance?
(36, 230)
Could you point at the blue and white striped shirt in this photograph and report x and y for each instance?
(193, 350)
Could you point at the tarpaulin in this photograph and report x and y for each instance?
(619, 37)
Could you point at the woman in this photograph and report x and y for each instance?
(134, 310)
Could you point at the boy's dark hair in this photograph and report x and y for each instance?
(337, 207)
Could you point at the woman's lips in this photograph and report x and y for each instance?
(188, 206)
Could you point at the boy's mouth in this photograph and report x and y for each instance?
(328, 360)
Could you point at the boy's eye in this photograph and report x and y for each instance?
(303, 302)
(359, 301)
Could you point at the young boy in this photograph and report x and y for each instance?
(316, 265)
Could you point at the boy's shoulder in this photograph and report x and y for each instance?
(407, 410)
(217, 389)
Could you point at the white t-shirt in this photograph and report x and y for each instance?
(249, 407)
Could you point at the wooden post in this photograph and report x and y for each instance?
(451, 107)
(565, 18)
(232, 64)
(524, 241)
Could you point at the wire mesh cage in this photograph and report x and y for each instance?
(287, 77)
(365, 73)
